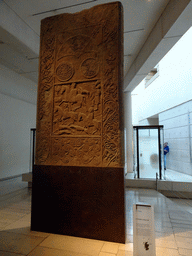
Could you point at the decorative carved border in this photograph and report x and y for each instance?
(105, 30)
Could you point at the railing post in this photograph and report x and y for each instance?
(156, 179)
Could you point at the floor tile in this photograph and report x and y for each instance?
(74, 244)
(166, 224)
(185, 252)
(129, 239)
(9, 254)
(183, 221)
(163, 217)
(3, 224)
(163, 229)
(18, 243)
(43, 251)
(180, 216)
(129, 231)
(8, 216)
(183, 233)
(26, 231)
(17, 225)
(173, 228)
(124, 253)
(110, 247)
(168, 236)
(27, 217)
(166, 243)
(180, 239)
(184, 245)
(160, 251)
(106, 254)
(182, 229)
(181, 225)
(19, 207)
(126, 247)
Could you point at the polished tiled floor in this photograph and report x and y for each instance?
(173, 227)
(170, 175)
(177, 176)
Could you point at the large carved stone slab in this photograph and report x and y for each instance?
(78, 179)
(79, 116)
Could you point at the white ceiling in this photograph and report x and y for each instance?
(20, 29)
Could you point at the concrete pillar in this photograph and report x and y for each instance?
(128, 132)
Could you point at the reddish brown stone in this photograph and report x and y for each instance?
(79, 116)
(79, 201)
(78, 179)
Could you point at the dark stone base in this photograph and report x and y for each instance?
(84, 202)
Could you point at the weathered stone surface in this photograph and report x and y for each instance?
(79, 201)
(79, 115)
(79, 138)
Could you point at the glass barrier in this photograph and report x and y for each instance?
(148, 153)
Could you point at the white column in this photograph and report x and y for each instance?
(128, 132)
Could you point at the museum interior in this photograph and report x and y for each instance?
(72, 180)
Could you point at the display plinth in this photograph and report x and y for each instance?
(79, 201)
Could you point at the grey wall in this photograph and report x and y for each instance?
(149, 121)
(17, 115)
(178, 132)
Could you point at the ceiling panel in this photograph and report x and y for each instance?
(18, 60)
(15, 44)
(127, 62)
(30, 11)
(10, 65)
(138, 14)
(26, 8)
(33, 76)
(140, 17)
(133, 42)
(182, 24)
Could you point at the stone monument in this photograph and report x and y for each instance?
(79, 158)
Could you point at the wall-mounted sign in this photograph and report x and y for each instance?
(143, 230)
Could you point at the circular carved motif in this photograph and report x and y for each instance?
(65, 71)
(90, 67)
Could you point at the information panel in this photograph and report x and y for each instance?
(143, 230)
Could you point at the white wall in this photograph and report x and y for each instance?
(149, 121)
(172, 87)
(169, 97)
(17, 115)
(178, 133)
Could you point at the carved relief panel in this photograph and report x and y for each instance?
(79, 120)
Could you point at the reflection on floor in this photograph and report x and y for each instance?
(177, 176)
(173, 226)
(169, 174)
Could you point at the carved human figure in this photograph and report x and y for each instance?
(97, 95)
(77, 96)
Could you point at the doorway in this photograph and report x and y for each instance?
(148, 152)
